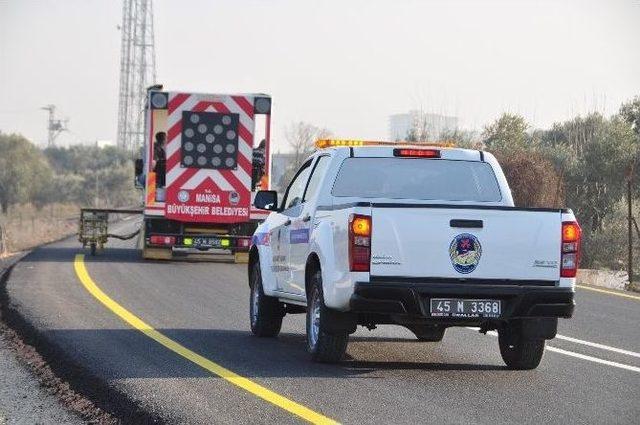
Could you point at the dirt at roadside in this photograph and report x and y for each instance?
(22, 397)
(30, 392)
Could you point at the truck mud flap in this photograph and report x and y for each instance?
(338, 321)
(241, 257)
(536, 328)
(156, 253)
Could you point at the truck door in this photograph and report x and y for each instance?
(292, 206)
(301, 227)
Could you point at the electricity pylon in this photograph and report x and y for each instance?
(137, 70)
(54, 126)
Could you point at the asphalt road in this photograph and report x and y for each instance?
(388, 376)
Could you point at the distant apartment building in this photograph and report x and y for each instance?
(435, 124)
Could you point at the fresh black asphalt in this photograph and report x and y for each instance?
(388, 377)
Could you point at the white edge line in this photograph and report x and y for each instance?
(600, 346)
(580, 356)
(594, 359)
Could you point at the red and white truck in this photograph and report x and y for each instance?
(201, 200)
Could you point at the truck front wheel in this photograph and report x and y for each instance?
(265, 312)
(324, 346)
(520, 353)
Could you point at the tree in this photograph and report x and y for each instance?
(630, 113)
(419, 130)
(461, 138)
(509, 132)
(24, 171)
(40, 192)
(595, 154)
(533, 179)
(90, 175)
(301, 137)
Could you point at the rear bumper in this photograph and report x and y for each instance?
(224, 242)
(412, 299)
(181, 235)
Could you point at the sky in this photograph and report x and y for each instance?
(343, 65)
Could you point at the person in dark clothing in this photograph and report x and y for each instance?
(160, 158)
(258, 163)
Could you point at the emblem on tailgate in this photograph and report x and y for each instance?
(465, 252)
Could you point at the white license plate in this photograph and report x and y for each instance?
(458, 307)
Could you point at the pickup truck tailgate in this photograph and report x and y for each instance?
(474, 243)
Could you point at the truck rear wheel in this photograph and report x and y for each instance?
(520, 353)
(324, 346)
(265, 312)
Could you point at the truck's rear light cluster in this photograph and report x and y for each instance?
(570, 253)
(243, 242)
(359, 242)
(417, 153)
(162, 240)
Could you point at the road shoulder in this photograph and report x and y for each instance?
(24, 397)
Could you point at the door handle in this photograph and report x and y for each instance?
(288, 222)
(471, 224)
(306, 218)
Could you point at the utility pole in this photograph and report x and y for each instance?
(55, 126)
(630, 220)
(630, 231)
(631, 223)
(137, 70)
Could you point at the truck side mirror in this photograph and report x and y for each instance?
(138, 178)
(266, 200)
(139, 165)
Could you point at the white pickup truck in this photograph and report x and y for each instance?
(425, 237)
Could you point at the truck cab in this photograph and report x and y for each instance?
(422, 236)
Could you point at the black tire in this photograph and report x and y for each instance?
(426, 333)
(324, 347)
(265, 313)
(519, 353)
(93, 249)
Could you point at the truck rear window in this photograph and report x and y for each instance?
(424, 179)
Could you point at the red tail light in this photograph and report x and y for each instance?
(570, 252)
(243, 242)
(162, 240)
(359, 242)
(417, 153)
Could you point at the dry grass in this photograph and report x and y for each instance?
(26, 227)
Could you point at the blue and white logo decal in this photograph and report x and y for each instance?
(299, 236)
(465, 252)
(183, 196)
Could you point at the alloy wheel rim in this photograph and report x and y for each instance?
(314, 330)
(255, 303)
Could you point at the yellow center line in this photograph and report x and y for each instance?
(604, 291)
(232, 377)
